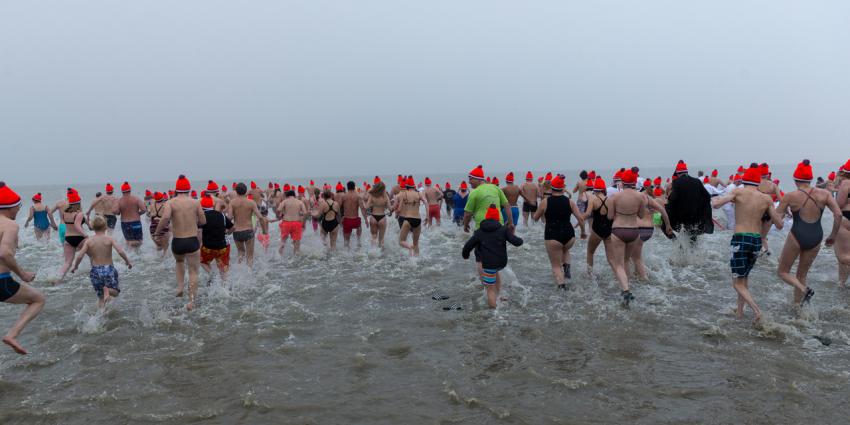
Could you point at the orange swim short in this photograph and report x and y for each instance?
(221, 256)
(291, 228)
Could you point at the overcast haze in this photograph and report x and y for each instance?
(144, 90)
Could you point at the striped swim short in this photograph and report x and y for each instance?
(488, 276)
(745, 251)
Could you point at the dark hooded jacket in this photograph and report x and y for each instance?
(491, 242)
(689, 206)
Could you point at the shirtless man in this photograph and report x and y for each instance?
(434, 198)
(750, 206)
(293, 214)
(105, 206)
(768, 187)
(243, 210)
(185, 216)
(10, 291)
(131, 209)
(715, 181)
(352, 207)
(530, 192)
(512, 192)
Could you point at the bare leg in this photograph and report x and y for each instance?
(636, 255)
(240, 251)
(592, 243)
(740, 285)
(402, 237)
(249, 252)
(178, 267)
(842, 252)
(333, 236)
(68, 251)
(35, 303)
(786, 260)
(194, 260)
(382, 231)
(373, 229)
(416, 232)
(618, 251)
(554, 250)
(806, 260)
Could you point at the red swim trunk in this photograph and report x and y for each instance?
(291, 228)
(434, 211)
(221, 256)
(349, 224)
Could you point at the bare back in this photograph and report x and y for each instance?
(129, 207)
(350, 204)
(626, 207)
(185, 214)
(529, 192)
(512, 193)
(243, 210)
(99, 249)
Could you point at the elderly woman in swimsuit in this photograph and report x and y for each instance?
(377, 202)
(624, 209)
(804, 240)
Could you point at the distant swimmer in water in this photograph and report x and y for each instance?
(131, 209)
(41, 217)
(600, 225)
(103, 275)
(245, 211)
(804, 240)
(74, 219)
(559, 234)
(459, 203)
(293, 215)
(490, 241)
(750, 206)
(327, 212)
(378, 204)
(407, 208)
(12, 292)
(185, 216)
(842, 241)
(434, 199)
(624, 209)
(105, 206)
(351, 208)
(214, 246)
(530, 193)
(689, 204)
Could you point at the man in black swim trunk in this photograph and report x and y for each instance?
(10, 291)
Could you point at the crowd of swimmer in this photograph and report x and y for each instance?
(621, 216)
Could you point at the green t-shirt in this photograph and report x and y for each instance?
(479, 201)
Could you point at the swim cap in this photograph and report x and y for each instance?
(182, 185)
(647, 182)
(492, 213)
(271, 185)
(427, 181)
(410, 183)
(558, 184)
(510, 177)
(599, 185)
(224, 188)
(681, 167)
(477, 173)
(73, 196)
(37, 197)
(714, 173)
(738, 178)
(489, 180)
(591, 175)
(529, 176)
(752, 176)
(548, 177)
(629, 177)
(207, 203)
(125, 188)
(618, 176)
(109, 188)
(740, 169)
(8, 197)
(277, 185)
(657, 192)
(463, 185)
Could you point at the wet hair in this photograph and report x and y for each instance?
(635, 170)
(327, 194)
(98, 223)
(351, 185)
(71, 207)
(290, 194)
(583, 174)
(316, 192)
(241, 189)
(378, 189)
(700, 173)
(98, 195)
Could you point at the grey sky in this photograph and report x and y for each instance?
(213, 88)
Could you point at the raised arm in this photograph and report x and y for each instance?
(722, 200)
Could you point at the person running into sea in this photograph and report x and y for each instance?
(131, 208)
(768, 187)
(40, 216)
(600, 225)
(434, 198)
(103, 275)
(511, 192)
(559, 234)
(407, 208)
(490, 241)
(479, 199)
(327, 212)
(352, 208)
(689, 204)
(449, 199)
(460, 203)
(750, 206)
(530, 193)
(842, 241)
(653, 212)
(12, 292)
(74, 219)
(105, 206)
(624, 208)
(185, 216)
(214, 246)
(804, 240)
(155, 211)
(378, 203)
(244, 211)
(293, 215)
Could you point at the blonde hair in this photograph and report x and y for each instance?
(98, 223)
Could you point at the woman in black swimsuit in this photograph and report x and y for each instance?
(559, 234)
(74, 219)
(377, 202)
(600, 226)
(327, 211)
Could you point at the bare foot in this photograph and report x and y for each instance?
(11, 342)
(190, 306)
(179, 294)
(757, 319)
